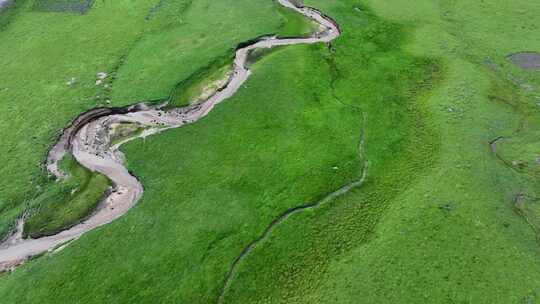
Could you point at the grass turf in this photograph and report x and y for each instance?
(113, 37)
(300, 142)
(450, 233)
(34, 91)
(227, 207)
(434, 223)
(64, 204)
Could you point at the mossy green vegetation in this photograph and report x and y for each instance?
(452, 235)
(145, 47)
(443, 216)
(283, 141)
(201, 83)
(164, 57)
(42, 53)
(63, 204)
(369, 71)
(209, 216)
(294, 24)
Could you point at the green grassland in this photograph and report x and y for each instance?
(66, 6)
(62, 205)
(441, 217)
(213, 28)
(448, 232)
(44, 51)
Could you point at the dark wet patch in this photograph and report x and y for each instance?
(526, 60)
(154, 9)
(64, 6)
(4, 4)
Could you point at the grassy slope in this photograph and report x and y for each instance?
(202, 227)
(434, 223)
(110, 38)
(63, 204)
(216, 197)
(373, 73)
(451, 235)
(296, 145)
(42, 51)
(213, 28)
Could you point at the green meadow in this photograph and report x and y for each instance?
(423, 93)
(63, 204)
(52, 60)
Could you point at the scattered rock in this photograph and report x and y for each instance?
(101, 75)
(101, 78)
(129, 188)
(72, 81)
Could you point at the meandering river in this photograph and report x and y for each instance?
(92, 139)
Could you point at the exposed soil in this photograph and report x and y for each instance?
(90, 139)
(526, 60)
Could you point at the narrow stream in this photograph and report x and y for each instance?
(91, 140)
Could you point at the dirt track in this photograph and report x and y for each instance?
(90, 139)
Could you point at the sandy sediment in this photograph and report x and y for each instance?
(90, 139)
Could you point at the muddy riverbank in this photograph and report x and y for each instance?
(92, 139)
